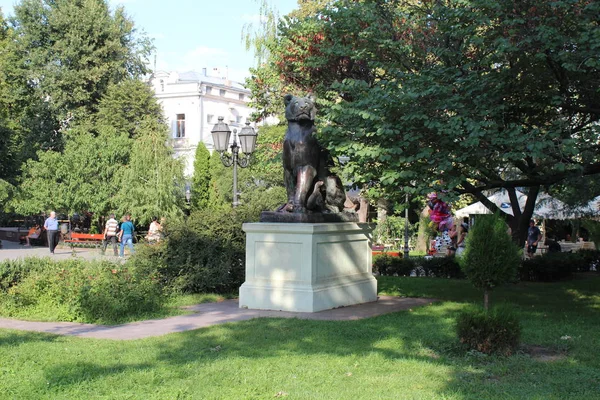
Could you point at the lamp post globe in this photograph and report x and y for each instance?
(247, 138)
(221, 133)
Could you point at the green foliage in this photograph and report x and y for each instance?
(482, 94)
(204, 254)
(152, 182)
(593, 227)
(438, 267)
(386, 265)
(558, 266)
(59, 62)
(267, 164)
(259, 185)
(76, 50)
(221, 183)
(491, 258)
(207, 252)
(391, 230)
(346, 356)
(117, 160)
(497, 331)
(77, 290)
(201, 179)
(125, 104)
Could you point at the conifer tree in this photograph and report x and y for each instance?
(201, 178)
(491, 258)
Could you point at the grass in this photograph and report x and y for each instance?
(405, 355)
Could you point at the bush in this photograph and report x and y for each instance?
(552, 267)
(387, 265)
(206, 254)
(494, 332)
(546, 268)
(441, 267)
(77, 290)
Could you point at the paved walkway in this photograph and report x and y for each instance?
(210, 314)
(13, 251)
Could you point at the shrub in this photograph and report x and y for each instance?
(206, 254)
(584, 260)
(546, 268)
(490, 258)
(77, 290)
(441, 267)
(496, 331)
(558, 266)
(387, 265)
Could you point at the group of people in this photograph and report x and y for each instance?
(449, 236)
(113, 232)
(124, 233)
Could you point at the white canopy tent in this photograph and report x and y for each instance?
(546, 207)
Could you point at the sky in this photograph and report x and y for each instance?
(193, 34)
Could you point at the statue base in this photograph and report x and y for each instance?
(311, 218)
(307, 267)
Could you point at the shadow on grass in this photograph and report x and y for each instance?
(425, 335)
(15, 338)
(78, 372)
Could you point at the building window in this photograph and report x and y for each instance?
(238, 119)
(162, 85)
(209, 118)
(241, 96)
(180, 129)
(222, 92)
(208, 89)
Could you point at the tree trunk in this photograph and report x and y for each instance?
(486, 299)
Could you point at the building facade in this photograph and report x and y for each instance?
(193, 102)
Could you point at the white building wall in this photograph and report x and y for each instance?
(202, 99)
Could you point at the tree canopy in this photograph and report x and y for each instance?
(453, 95)
(57, 61)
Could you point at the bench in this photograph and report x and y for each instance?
(85, 239)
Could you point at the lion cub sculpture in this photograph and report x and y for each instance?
(308, 181)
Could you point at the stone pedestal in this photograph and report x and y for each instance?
(307, 267)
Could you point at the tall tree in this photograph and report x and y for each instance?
(62, 58)
(201, 179)
(116, 160)
(153, 183)
(74, 49)
(458, 95)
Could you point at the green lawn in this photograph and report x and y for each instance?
(406, 355)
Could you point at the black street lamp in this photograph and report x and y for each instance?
(247, 136)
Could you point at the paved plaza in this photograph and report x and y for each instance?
(12, 251)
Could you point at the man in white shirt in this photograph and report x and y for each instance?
(111, 228)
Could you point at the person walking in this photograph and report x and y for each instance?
(126, 235)
(51, 227)
(110, 234)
